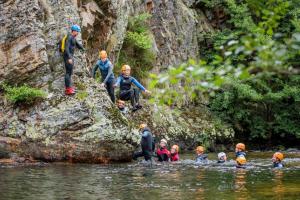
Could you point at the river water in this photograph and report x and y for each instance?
(136, 180)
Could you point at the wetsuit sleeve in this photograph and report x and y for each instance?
(67, 53)
(145, 134)
(136, 83)
(118, 81)
(78, 45)
(110, 72)
(95, 69)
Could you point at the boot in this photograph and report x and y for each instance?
(69, 91)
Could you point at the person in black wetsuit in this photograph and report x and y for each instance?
(147, 144)
(125, 82)
(107, 75)
(70, 44)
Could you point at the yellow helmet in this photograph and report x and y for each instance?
(241, 160)
(102, 54)
(200, 149)
(176, 147)
(240, 146)
(142, 126)
(125, 67)
(278, 156)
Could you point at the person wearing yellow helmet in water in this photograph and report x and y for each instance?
(125, 82)
(277, 160)
(107, 75)
(201, 157)
(240, 155)
(147, 143)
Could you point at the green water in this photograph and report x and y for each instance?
(184, 180)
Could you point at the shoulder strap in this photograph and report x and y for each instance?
(63, 43)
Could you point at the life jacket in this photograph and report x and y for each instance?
(277, 165)
(125, 83)
(163, 154)
(174, 157)
(201, 158)
(62, 44)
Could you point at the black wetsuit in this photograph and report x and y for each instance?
(70, 45)
(147, 144)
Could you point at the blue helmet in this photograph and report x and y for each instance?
(76, 28)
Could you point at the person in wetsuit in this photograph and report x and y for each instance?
(70, 44)
(201, 157)
(125, 82)
(277, 160)
(107, 75)
(240, 155)
(147, 144)
(163, 154)
(222, 158)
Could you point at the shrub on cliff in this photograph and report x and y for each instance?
(23, 94)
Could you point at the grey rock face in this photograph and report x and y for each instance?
(85, 127)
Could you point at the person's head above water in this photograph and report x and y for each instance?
(241, 160)
(174, 149)
(75, 30)
(277, 157)
(200, 150)
(103, 55)
(240, 147)
(163, 143)
(222, 156)
(126, 70)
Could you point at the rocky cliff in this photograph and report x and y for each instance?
(86, 127)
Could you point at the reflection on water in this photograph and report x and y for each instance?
(137, 181)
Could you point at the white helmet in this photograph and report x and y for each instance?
(221, 154)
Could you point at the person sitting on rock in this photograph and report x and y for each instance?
(240, 155)
(147, 143)
(201, 157)
(125, 82)
(222, 158)
(277, 160)
(68, 53)
(122, 107)
(163, 154)
(174, 153)
(107, 75)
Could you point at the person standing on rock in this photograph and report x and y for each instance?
(147, 143)
(69, 45)
(107, 75)
(125, 82)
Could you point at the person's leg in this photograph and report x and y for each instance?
(126, 95)
(132, 98)
(136, 95)
(137, 155)
(69, 72)
(147, 155)
(111, 91)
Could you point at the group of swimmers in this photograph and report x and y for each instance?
(104, 65)
(164, 155)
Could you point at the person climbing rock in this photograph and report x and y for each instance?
(277, 160)
(201, 157)
(174, 153)
(107, 75)
(222, 158)
(125, 82)
(146, 143)
(68, 47)
(163, 153)
(240, 155)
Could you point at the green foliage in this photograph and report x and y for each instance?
(82, 95)
(23, 94)
(250, 78)
(137, 48)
